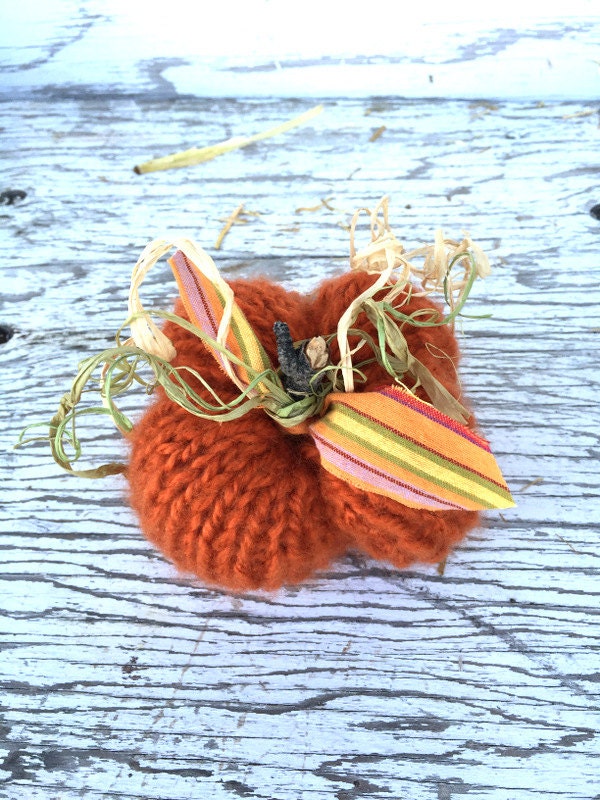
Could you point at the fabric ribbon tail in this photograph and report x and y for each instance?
(393, 444)
(209, 303)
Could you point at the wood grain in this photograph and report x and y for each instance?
(122, 678)
(534, 50)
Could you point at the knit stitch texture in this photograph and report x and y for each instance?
(245, 504)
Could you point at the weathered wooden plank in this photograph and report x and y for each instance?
(125, 679)
(464, 50)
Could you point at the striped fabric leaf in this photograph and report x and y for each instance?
(391, 443)
(205, 304)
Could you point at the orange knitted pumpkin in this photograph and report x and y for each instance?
(245, 504)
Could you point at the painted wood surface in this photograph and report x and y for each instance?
(528, 49)
(121, 678)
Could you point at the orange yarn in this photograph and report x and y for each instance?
(245, 504)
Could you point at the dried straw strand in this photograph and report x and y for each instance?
(197, 155)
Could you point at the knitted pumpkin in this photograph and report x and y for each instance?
(245, 503)
(268, 497)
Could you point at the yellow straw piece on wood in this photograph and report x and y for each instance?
(227, 227)
(196, 155)
(377, 133)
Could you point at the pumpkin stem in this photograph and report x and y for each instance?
(299, 365)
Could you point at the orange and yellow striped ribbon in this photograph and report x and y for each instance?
(391, 443)
(205, 305)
